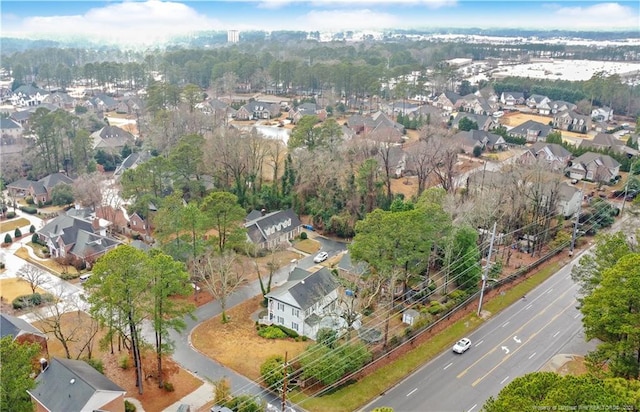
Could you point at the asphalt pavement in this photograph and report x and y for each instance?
(518, 340)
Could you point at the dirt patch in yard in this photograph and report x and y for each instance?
(514, 119)
(237, 345)
(309, 246)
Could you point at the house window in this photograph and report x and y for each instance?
(295, 312)
(134, 222)
(281, 320)
(294, 326)
(281, 307)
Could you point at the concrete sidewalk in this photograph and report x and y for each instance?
(196, 399)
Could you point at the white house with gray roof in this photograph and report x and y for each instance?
(306, 303)
(268, 230)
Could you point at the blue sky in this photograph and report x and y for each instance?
(153, 20)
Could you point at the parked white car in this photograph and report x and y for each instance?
(320, 257)
(462, 345)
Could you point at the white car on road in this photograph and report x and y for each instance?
(320, 257)
(462, 345)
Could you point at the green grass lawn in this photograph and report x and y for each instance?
(355, 396)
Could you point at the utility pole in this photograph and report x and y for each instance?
(626, 187)
(485, 275)
(575, 227)
(284, 384)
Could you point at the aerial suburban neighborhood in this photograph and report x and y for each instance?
(313, 220)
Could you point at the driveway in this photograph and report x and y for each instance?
(208, 369)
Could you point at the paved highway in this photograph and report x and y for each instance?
(517, 341)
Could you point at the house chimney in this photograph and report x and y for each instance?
(44, 364)
(263, 211)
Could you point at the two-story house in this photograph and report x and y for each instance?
(79, 234)
(595, 167)
(571, 121)
(602, 114)
(536, 100)
(268, 230)
(10, 131)
(512, 98)
(485, 123)
(304, 301)
(40, 190)
(447, 101)
(257, 111)
(551, 155)
(532, 131)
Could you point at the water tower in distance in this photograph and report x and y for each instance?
(233, 36)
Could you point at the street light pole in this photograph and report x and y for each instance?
(485, 275)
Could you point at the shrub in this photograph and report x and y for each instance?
(1, 265)
(290, 332)
(17, 233)
(435, 308)
(7, 238)
(96, 363)
(29, 209)
(124, 361)
(303, 235)
(168, 386)
(11, 215)
(129, 407)
(26, 301)
(32, 229)
(272, 371)
(272, 332)
(35, 239)
(458, 296)
(69, 276)
(29, 200)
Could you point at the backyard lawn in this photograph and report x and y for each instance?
(11, 288)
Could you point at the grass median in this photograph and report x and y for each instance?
(357, 395)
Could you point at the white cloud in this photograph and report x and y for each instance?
(127, 23)
(273, 4)
(597, 16)
(347, 19)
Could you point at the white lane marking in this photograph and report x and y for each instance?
(515, 338)
(528, 307)
(577, 316)
(505, 324)
(412, 392)
(472, 408)
(504, 380)
(532, 355)
(478, 344)
(445, 368)
(555, 334)
(549, 291)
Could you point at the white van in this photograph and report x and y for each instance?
(83, 278)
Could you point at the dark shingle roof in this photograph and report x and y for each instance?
(74, 385)
(522, 130)
(313, 288)
(13, 326)
(271, 225)
(6, 124)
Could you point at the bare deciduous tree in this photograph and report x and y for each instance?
(221, 275)
(34, 275)
(73, 328)
(88, 189)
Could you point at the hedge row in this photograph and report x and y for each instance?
(29, 209)
(35, 299)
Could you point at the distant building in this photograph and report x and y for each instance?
(233, 36)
